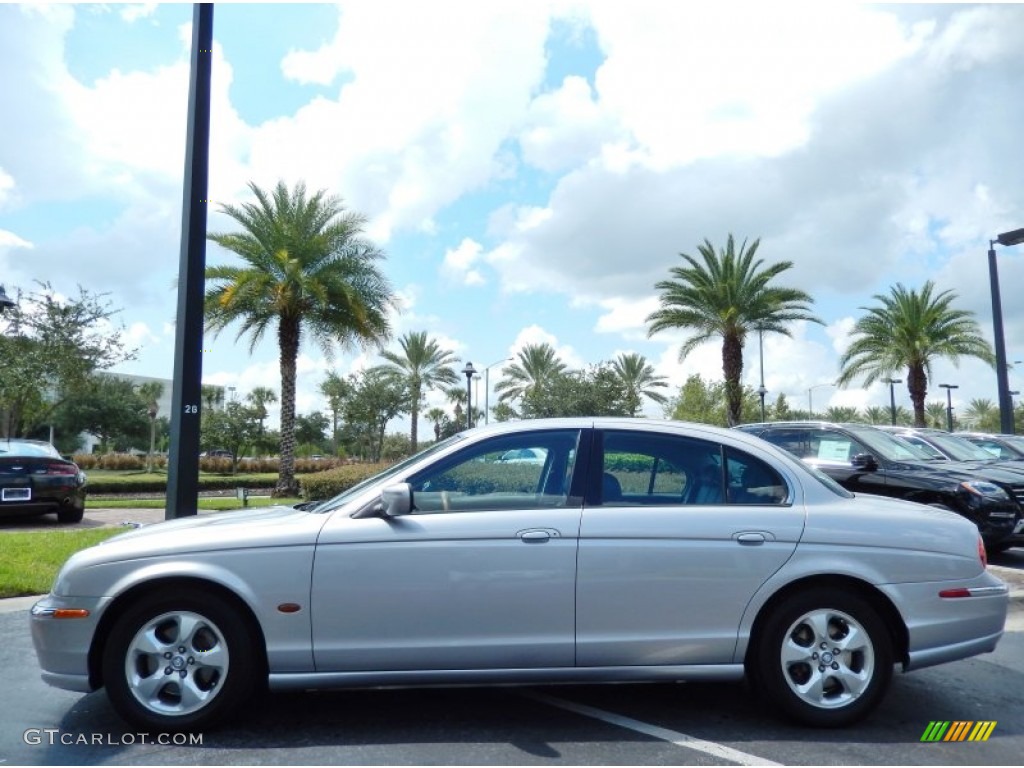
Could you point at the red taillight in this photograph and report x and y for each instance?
(61, 469)
(958, 592)
(981, 553)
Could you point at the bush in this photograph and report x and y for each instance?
(324, 485)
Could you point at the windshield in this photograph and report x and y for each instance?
(22, 448)
(344, 496)
(959, 448)
(890, 447)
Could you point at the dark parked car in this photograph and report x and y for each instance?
(942, 446)
(35, 480)
(1007, 447)
(864, 459)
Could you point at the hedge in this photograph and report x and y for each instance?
(324, 485)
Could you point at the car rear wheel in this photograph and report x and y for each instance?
(175, 663)
(824, 657)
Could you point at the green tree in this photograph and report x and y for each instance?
(307, 270)
(983, 414)
(597, 391)
(638, 380)
(337, 390)
(876, 414)
(151, 392)
(935, 414)
(728, 295)
(780, 411)
(421, 366)
(311, 430)
(232, 428)
(49, 353)
(906, 333)
(110, 408)
(377, 398)
(536, 366)
(842, 414)
(699, 401)
(258, 399)
(212, 396)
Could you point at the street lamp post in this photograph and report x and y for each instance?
(1016, 237)
(892, 397)
(810, 402)
(487, 388)
(949, 404)
(469, 371)
(761, 390)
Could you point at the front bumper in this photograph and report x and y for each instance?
(62, 644)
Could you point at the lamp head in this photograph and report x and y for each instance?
(1016, 237)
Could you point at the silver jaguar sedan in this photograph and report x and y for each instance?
(637, 550)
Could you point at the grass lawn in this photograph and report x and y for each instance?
(31, 559)
(221, 504)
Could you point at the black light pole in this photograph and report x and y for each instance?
(186, 389)
(6, 302)
(469, 371)
(761, 390)
(892, 397)
(1016, 237)
(949, 404)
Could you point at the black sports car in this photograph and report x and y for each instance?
(35, 479)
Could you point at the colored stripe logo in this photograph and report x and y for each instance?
(958, 730)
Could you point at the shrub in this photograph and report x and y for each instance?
(324, 485)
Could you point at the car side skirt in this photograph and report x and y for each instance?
(291, 681)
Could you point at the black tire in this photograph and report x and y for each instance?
(173, 682)
(70, 514)
(828, 689)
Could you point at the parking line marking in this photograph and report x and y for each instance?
(675, 737)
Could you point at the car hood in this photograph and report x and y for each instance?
(271, 526)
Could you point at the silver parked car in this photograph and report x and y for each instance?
(638, 550)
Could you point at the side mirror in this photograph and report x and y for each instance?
(865, 461)
(396, 500)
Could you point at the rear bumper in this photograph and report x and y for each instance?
(942, 629)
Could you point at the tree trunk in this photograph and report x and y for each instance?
(152, 443)
(288, 337)
(917, 385)
(732, 368)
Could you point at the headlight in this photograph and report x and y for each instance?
(985, 489)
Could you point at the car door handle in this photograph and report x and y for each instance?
(535, 537)
(751, 539)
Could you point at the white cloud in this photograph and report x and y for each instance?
(134, 11)
(458, 263)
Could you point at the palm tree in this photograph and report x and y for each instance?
(438, 419)
(151, 392)
(935, 414)
(877, 414)
(536, 366)
(307, 270)
(421, 366)
(906, 333)
(983, 414)
(259, 397)
(728, 295)
(842, 414)
(638, 380)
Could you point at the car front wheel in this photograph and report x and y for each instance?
(175, 663)
(825, 658)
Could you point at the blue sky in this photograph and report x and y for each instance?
(532, 169)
